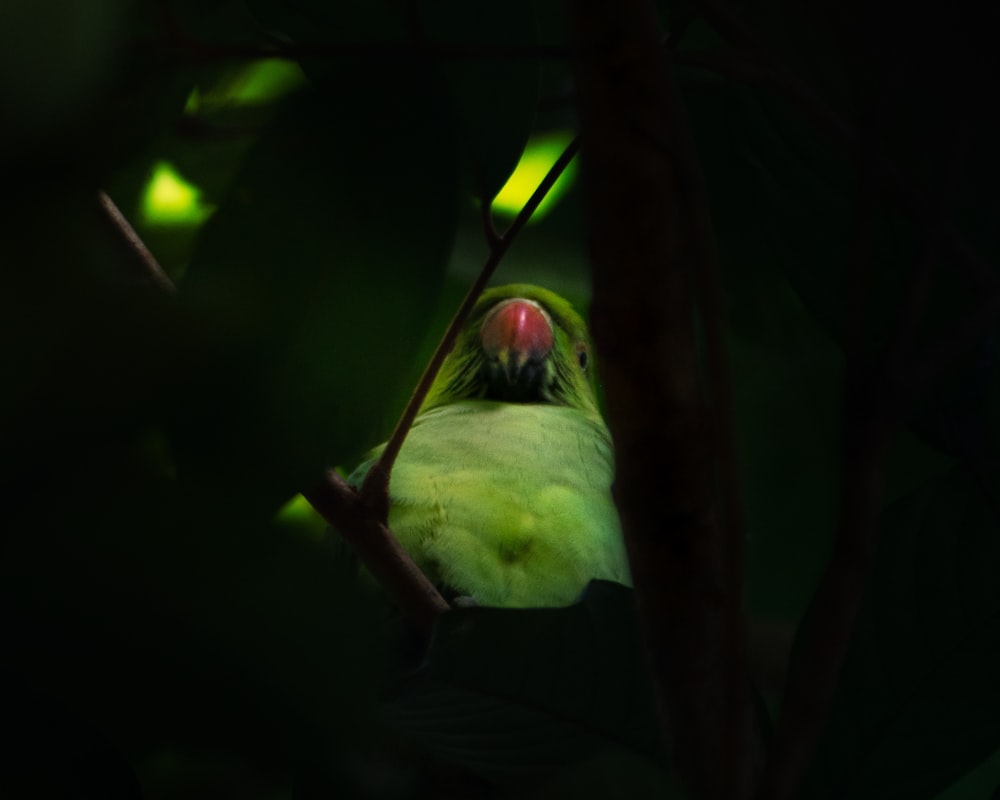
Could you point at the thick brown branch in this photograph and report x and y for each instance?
(651, 251)
(341, 506)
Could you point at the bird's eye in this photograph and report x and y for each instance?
(581, 355)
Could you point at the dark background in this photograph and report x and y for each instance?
(167, 636)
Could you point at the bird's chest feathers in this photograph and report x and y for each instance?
(503, 473)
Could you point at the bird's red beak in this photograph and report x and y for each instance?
(517, 331)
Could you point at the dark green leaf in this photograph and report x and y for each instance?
(495, 97)
(514, 694)
(168, 620)
(315, 281)
(616, 773)
(784, 194)
(983, 783)
(919, 701)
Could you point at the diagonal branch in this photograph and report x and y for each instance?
(141, 261)
(341, 506)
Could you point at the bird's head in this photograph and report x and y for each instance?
(521, 344)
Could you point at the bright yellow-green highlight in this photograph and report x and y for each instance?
(302, 517)
(539, 155)
(171, 200)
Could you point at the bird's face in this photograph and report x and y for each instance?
(522, 344)
(516, 338)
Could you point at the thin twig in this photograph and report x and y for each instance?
(375, 489)
(141, 259)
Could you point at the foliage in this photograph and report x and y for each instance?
(166, 637)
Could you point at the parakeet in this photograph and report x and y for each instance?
(502, 489)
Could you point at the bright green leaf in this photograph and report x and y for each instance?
(539, 155)
(171, 200)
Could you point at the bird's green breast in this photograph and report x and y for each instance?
(509, 503)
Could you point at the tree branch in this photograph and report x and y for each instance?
(651, 252)
(342, 507)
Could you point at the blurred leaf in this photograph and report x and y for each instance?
(257, 83)
(325, 23)
(518, 694)
(314, 282)
(496, 97)
(56, 57)
(84, 346)
(919, 702)
(782, 203)
(616, 773)
(51, 751)
(169, 621)
(228, 108)
(172, 773)
(982, 783)
(782, 194)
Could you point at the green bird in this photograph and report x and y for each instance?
(502, 489)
